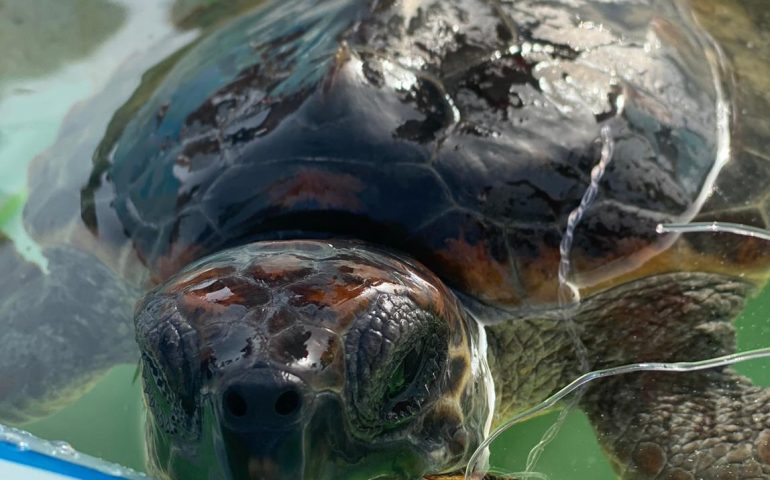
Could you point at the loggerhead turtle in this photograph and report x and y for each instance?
(343, 220)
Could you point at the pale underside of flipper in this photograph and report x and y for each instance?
(59, 331)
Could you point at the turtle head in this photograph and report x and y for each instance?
(305, 359)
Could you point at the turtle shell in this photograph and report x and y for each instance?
(462, 132)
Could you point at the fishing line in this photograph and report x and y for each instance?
(569, 294)
(714, 227)
(581, 381)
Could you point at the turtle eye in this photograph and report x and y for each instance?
(396, 356)
(411, 382)
(404, 374)
(170, 367)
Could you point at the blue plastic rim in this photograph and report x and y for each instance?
(43, 467)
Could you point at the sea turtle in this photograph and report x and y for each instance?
(346, 221)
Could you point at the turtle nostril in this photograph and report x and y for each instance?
(235, 404)
(288, 402)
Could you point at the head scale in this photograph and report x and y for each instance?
(304, 359)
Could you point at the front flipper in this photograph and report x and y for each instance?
(58, 331)
(707, 426)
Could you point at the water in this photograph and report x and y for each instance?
(65, 50)
(16, 441)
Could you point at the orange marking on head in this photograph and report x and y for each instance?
(328, 189)
(336, 294)
(279, 269)
(214, 295)
(346, 298)
(195, 305)
(200, 277)
(222, 293)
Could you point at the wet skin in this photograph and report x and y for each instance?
(342, 212)
(305, 359)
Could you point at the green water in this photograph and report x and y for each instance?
(107, 421)
(58, 63)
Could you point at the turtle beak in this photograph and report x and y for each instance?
(272, 427)
(263, 455)
(260, 416)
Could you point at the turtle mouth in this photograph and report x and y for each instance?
(259, 424)
(316, 444)
(308, 359)
(262, 454)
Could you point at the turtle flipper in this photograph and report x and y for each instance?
(708, 426)
(58, 330)
(704, 425)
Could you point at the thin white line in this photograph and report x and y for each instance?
(714, 227)
(569, 295)
(568, 291)
(674, 367)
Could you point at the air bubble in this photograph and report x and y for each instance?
(63, 449)
(25, 441)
